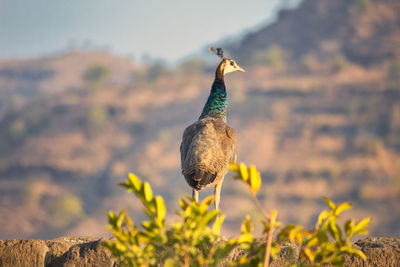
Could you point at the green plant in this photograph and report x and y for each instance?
(339, 63)
(154, 71)
(65, 210)
(187, 242)
(95, 76)
(274, 56)
(17, 130)
(192, 241)
(327, 243)
(193, 65)
(393, 76)
(96, 116)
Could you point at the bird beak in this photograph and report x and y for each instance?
(240, 69)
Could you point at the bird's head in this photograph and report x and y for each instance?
(231, 66)
(227, 65)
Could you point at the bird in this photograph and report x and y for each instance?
(209, 145)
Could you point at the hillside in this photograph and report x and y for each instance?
(363, 31)
(72, 125)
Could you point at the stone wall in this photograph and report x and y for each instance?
(87, 251)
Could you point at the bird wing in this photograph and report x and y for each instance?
(207, 148)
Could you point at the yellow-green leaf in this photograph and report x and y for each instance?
(169, 263)
(330, 203)
(120, 218)
(161, 209)
(243, 172)
(322, 216)
(255, 179)
(135, 181)
(362, 224)
(342, 207)
(234, 167)
(247, 225)
(310, 255)
(148, 194)
(359, 253)
(217, 225)
(245, 238)
(348, 227)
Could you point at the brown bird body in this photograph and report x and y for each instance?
(209, 144)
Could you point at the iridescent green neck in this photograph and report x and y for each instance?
(216, 102)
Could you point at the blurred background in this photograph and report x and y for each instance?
(91, 90)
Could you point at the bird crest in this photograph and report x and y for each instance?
(218, 51)
(227, 65)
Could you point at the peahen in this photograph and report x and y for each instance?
(209, 145)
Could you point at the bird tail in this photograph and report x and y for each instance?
(200, 179)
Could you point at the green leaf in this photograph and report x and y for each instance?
(217, 225)
(161, 209)
(136, 182)
(246, 238)
(255, 179)
(348, 227)
(247, 225)
(342, 207)
(148, 194)
(243, 172)
(169, 263)
(359, 253)
(335, 231)
(120, 218)
(331, 205)
(310, 255)
(206, 219)
(322, 216)
(360, 227)
(234, 167)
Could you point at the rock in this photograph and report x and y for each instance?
(21, 253)
(84, 252)
(380, 251)
(62, 251)
(88, 251)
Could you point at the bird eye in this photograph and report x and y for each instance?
(232, 63)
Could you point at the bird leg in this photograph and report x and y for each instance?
(195, 195)
(217, 193)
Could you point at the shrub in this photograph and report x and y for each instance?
(193, 65)
(194, 239)
(393, 76)
(154, 71)
(274, 55)
(96, 116)
(65, 210)
(339, 63)
(95, 76)
(17, 131)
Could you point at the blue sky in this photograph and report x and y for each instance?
(160, 28)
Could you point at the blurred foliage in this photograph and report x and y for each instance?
(96, 116)
(193, 65)
(192, 241)
(65, 210)
(309, 63)
(17, 130)
(339, 63)
(274, 56)
(393, 76)
(154, 71)
(14, 102)
(362, 5)
(95, 76)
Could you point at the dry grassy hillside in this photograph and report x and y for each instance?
(71, 126)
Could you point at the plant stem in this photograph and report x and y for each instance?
(259, 206)
(272, 218)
